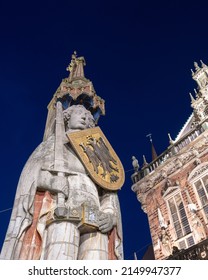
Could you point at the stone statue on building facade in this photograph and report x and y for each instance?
(165, 242)
(197, 227)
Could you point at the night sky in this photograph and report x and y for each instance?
(138, 54)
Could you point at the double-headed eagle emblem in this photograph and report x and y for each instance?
(98, 157)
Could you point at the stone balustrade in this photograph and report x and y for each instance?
(172, 150)
(196, 252)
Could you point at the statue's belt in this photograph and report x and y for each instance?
(86, 217)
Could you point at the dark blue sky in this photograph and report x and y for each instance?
(138, 57)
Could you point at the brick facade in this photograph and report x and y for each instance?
(173, 188)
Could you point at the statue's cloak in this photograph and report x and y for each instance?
(23, 209)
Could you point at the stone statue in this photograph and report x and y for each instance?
(197, 227)
(54, 196)
(135, 164)
(165, 242)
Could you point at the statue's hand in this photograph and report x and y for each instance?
(106, 222)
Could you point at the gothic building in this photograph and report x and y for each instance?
(173, 188)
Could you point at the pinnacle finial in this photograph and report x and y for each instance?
(144, 160)
(203, 64)
(145, 166)
(170, 139)
(197, 68)
(192, 98)
(192, 72)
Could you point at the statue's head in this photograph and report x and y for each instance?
(77, 117)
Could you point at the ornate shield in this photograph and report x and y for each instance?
(98, 157)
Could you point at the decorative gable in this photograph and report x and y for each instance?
(169, 188)
(198, 171)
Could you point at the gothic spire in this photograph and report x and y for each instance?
(154, 154)
(73, 90)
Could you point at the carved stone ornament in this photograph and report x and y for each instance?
(169, 188)
(181, 160)
(200, 169)
(172, 165)
(98, 157)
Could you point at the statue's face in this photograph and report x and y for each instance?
(79, 119)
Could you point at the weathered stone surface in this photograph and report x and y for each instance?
(59, 211)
